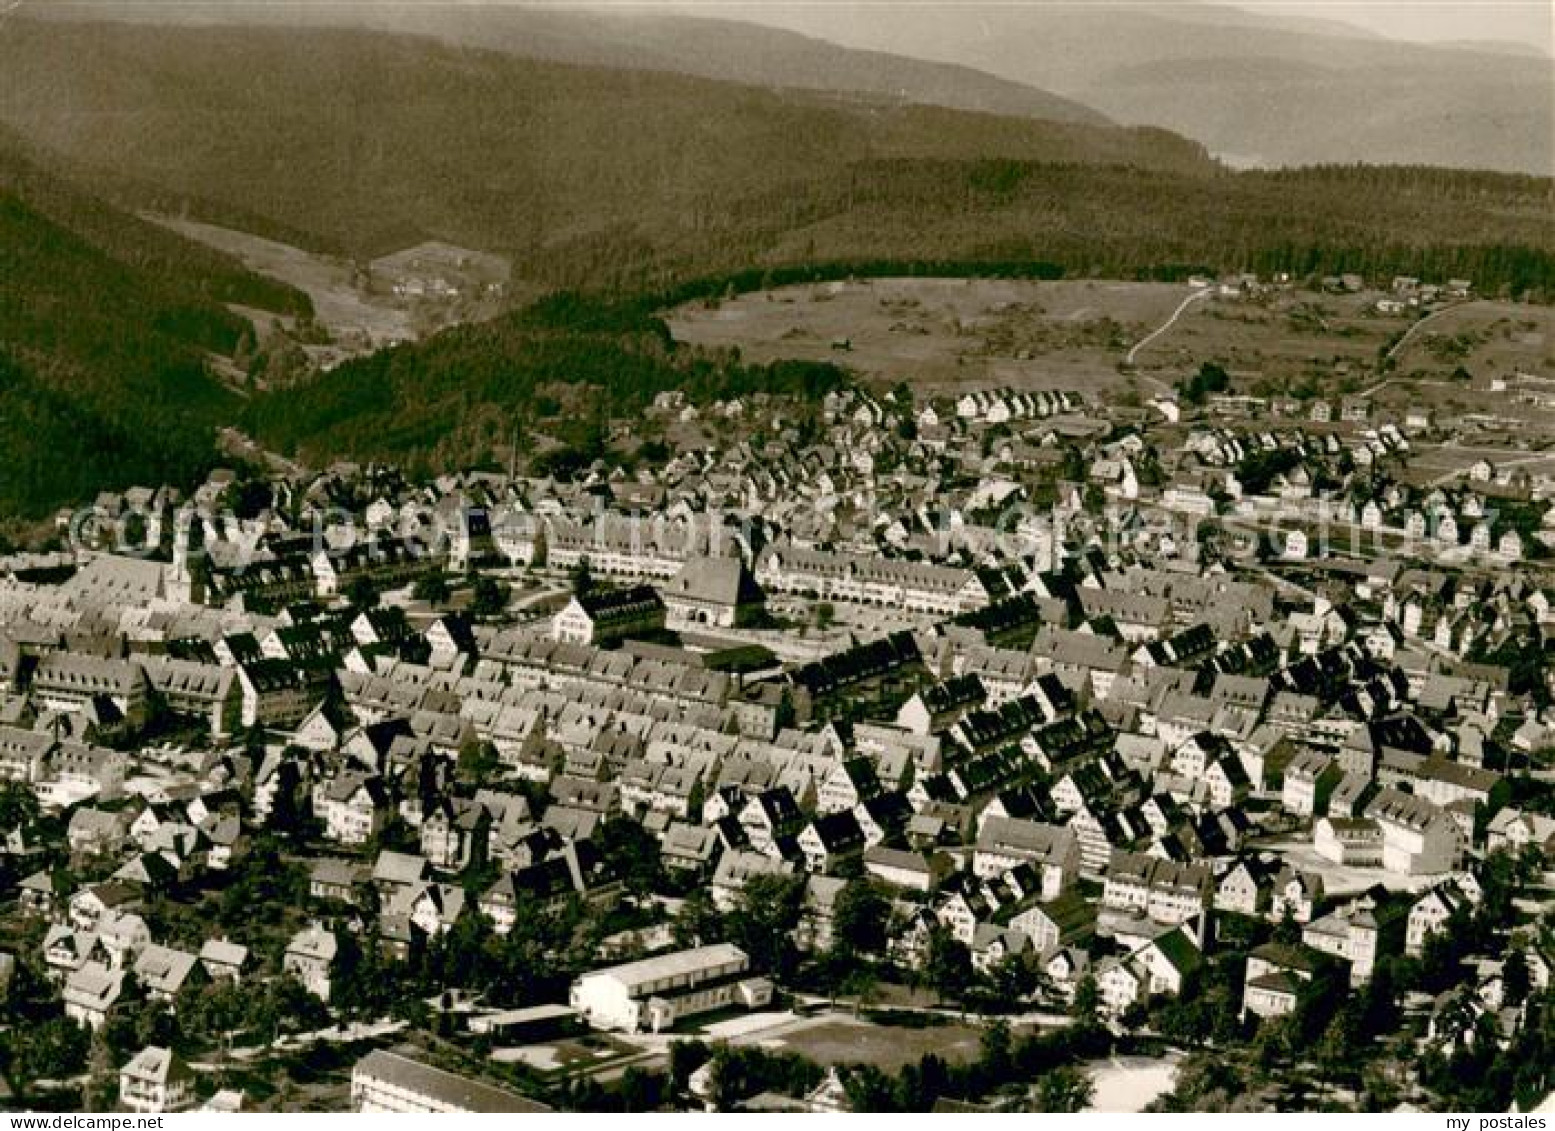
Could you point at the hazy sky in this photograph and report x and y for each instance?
(1529, 22)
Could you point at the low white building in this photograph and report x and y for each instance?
(385, 1081)
(654, 993)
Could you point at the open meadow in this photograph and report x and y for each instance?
(947, 335)
(344, 309)
(943, 335)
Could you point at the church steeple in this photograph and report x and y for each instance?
(185, 579)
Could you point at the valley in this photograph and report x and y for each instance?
(355, 321)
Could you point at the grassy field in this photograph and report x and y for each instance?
(560, 1058)
(1487, 338)
(846, 1041)
(1439, 461)
(350, 315)
(942, 335)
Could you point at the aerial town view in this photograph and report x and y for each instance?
(570, 560)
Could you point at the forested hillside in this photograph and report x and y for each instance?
(104, 325)
(642, 187)
(362, 143)
(563, 367)
(585, 177)
(974, 216)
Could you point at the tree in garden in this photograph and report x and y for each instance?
(1337, 1048)
(698, 921)
(997, 1046)
(1065, 1089)
(631, 853)
(641, 1090)
(479, 761)
(488, 597)
(859, 918)
(860, 985)
(949, 965)
(1013, 978)
(48, 1050)
(432, 588)
(362, 593)
(685, 1057)
(1515, 977)
(18, 806)
(764, 920)
(1086, 1006)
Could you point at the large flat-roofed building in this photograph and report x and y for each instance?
(654, 993)
(388, 1082)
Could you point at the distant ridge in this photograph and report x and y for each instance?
(365, 142)
(632, 39)
(1379, 100)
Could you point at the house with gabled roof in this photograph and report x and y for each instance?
(1162, 890)
(1247, 887)
(1054, 851)
(602, 616)
(163, 971)
(1121, 981)
(221, 958)
(830, 840)
(1275, 977)
(355, 807)
(1361, 931)
(1296, 894)
(1170, 958)
(91, 992)
(1052, 925)
(66, 950)
(156, 1080)
(310, 957)
(455, 833)
(736, 867)
(1432, 911)
(770, 818)
(96, 831)
(690, 849)
(716, 592)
